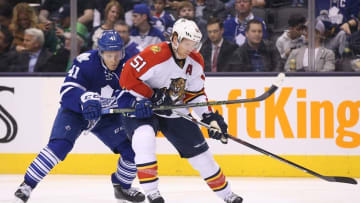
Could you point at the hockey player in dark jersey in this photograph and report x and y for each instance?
(91, 85)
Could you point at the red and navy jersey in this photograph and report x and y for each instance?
(155, 67)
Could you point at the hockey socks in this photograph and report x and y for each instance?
(46, 160)
(147, 174)
(125, 173)
(41, 166)
(210, 171)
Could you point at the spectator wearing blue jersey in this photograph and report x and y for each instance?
(256, 54)
(163, 20)
(131, 47)
(340, 12)
(143, 32)
(90, 86)
(234, 27)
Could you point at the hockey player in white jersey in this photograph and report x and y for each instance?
(165, 74)
(91, 84)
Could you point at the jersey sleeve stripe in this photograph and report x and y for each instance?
(189, 96)
(65, 91)
(74, 84)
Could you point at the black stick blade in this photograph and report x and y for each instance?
(340, 179)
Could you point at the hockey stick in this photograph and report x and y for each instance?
(265, 95)
(327, 178)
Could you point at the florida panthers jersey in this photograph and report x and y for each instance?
(89, 73)
(155, 67)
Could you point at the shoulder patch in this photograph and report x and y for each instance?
(155, 49)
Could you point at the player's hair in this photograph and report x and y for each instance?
(253, 21)
(37, 33)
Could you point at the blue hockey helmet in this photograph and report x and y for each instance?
(110, 40)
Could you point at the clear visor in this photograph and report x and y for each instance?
(190, 45)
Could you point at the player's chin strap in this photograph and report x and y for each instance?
(338, 179)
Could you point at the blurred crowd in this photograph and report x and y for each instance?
(238, 35)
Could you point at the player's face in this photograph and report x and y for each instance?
(185, 47)
(112, 59)
(254, 34)
(215, 32)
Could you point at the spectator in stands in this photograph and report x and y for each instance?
(85, 10)
(324, 58)
(113, 10)
(24, 17)
(210, 8)
(216, 50)
(297, 3)
(5, 15)
(5, 42)
(293, 37)
(99, 11)
(256, 3)
(61, 61)
(187, 10)
(63, 25)
(163, 20)
(34, 57)
(255, 55)
(234, 27)
(343, 13)
(131, 47)
(142, 32)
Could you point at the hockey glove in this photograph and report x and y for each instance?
(218, 128)
(143, 109)
(91, 106)
(161, 97)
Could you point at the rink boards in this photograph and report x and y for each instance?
(313, 121)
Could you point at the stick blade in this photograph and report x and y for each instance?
(341, 179)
